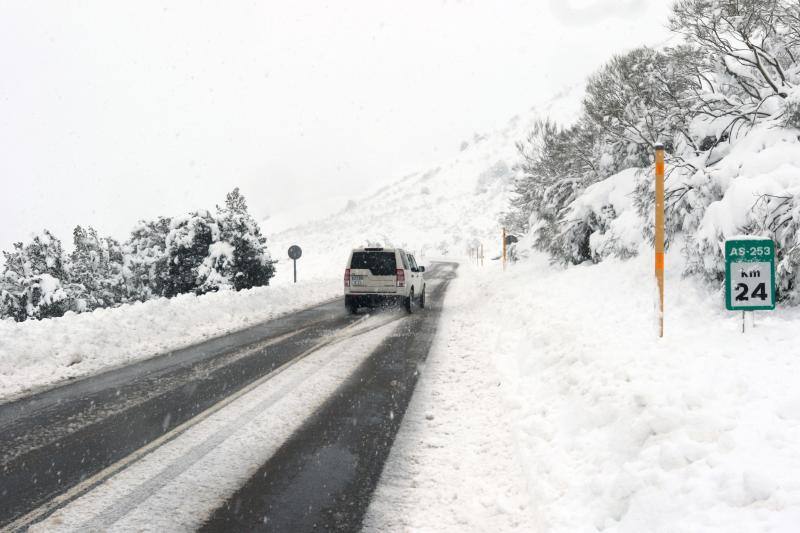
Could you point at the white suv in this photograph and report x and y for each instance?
(376, 276)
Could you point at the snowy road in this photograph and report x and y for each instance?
(323, 477)
(98, 452)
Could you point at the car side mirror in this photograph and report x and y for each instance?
(422, 269)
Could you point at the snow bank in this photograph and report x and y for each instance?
(39, 353)
(621, 431)
(453, 467)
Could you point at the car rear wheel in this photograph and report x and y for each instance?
(409, 302)
(422, 299)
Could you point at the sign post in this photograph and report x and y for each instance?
(749, 275)
(295, 252)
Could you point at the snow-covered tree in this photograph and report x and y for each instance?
(33, 280)
(639, 99)
(749, 67)
(145, 259)
(557, 164)
(187, 247)
(753, 42)
(95, 270)
(250, 264)
(113, 284)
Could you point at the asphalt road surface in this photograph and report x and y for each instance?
(57, 445)
(323, 477)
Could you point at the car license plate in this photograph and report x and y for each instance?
(357, 281)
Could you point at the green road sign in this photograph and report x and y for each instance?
(749, 274)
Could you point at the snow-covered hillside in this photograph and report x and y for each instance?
(437, 212)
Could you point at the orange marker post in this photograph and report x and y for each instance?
(660, 234)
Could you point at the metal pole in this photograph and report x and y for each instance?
(295, 269)
(659, 229)
(742, 321)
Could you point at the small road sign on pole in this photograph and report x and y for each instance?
(749, 274)
(295, 252)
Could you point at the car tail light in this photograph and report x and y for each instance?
(401, 277)
(346, 277)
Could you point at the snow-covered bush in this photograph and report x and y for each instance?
(216, 272)
(791, 114)
(145, 259)
(608, 218)
(196, 253)
(250, 264)
(31, 280)
(778, 216)
(95, 269)
(187, 247)
(203, 252)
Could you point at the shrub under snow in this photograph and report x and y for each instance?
(196, 253)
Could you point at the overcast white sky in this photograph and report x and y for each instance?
(115, 111)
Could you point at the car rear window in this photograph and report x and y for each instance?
(378, 263)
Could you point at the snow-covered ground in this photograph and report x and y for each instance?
(613, 428)
(37, 353)
(453, 466)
